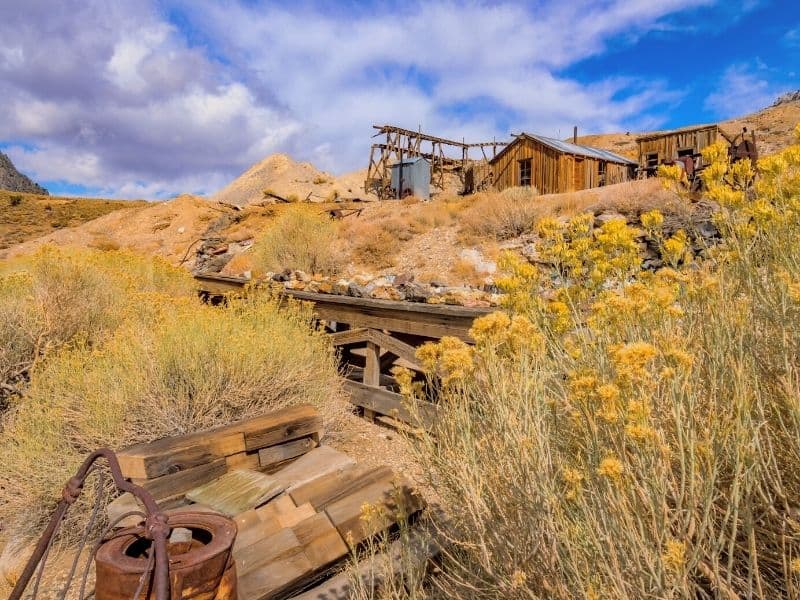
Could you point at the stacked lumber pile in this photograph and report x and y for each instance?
(301, 509)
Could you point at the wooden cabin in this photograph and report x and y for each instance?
(666, 146)
(553, 166)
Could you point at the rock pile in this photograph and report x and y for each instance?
(399, 288)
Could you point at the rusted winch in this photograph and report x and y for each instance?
(201, 567)
(147, 562)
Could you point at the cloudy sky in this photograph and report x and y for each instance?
(150, 98)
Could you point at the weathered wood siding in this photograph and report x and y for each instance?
(668, 144)
(553, 172)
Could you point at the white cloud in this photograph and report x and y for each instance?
(116, 97)
(742, 88)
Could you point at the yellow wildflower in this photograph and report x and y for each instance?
(518, 579)
(794, 566)
(492, 329)
(610, 467)
(632, 359)
(640, 433)
(674, 556)
(652, 219)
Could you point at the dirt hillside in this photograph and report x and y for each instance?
(25, 217)
(281, 175)
(163, 229)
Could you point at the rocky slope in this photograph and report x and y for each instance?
(14, 181)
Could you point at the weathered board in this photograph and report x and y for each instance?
(236, 491)
(174, 454)
(393, 404)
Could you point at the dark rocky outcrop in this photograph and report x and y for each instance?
(14, 181)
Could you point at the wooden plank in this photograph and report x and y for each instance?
(322, 491)
(122, 505)
(281, 426)
(319, 461)
(349, 336)
(277, 507)
(391, 502)
(401, 557)
(169, 455)
(172, 454)
(242, 460)
(236, 491)
(397, 347)
(275, 454)
(271, 565)
(246, 519)
(177, 484)
(321, 542)
(392, 404)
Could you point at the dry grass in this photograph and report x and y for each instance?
(143, 362)
(299, 238)
(500, 216)
(27, 216)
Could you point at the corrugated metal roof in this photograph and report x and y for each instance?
(657, 134)
(590, 151)
(570, 148)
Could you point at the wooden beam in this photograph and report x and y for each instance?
(349, 336)
(389, 403)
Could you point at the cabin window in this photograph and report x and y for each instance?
(525, 172)
(601, 172)
(651, 159)
(685, 152)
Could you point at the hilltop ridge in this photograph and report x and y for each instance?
(14, 181)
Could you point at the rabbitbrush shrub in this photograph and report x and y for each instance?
(625, 435)
(159, 362)
(300, 238)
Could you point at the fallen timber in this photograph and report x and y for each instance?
(278, 518)
(373, 336)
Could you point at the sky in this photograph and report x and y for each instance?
(152, 98)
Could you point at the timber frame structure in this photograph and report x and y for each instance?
(372, 336)
(402, 144)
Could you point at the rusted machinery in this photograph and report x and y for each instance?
(684, 147)
(141, 562)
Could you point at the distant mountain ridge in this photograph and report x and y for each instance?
(14, 181)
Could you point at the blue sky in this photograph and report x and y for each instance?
(158, 97)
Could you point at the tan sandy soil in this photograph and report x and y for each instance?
(285, 177)
(164, 229)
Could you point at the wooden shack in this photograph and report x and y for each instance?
(553, 166)
(666, 146)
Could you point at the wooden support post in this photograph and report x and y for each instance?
(372, 373)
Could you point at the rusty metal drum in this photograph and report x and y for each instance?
(199, 569)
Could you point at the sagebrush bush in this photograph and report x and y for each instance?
(625, 434)
(58, 297)
(500, 216)
(168, 364)
(300, 238)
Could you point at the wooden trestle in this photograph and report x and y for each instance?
(372, 337)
